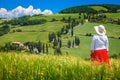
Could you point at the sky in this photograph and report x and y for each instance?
(17, 8)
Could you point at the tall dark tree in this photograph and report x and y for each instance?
(60, 43)
(73, 43)
(63, 19)
(77, 41)
(79, 17)
(46, 48)
(4, 29)
(69, 25)
(31, 46)
(69, 19)
(59, 34)
(69, 44)
(43, 48)
(39, 46)
(57, 51)
(72, 33)
(55, 43)
(51, 37)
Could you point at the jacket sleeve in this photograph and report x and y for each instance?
(93, 43)
(107, 44)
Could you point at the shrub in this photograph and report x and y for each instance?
(18, 30)
(88, 34)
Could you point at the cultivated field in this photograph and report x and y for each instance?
(48, 67)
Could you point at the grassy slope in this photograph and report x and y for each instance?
(47, 27)
(36, 32)
(113, 15)
(98, 8)
(84, 49)
(56, 16)
(40, 32)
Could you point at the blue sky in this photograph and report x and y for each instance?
(54, 5)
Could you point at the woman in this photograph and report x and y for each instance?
(99, 46)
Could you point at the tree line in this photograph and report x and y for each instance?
(55, 38)
(32, 47)
(87, 9)
(22, 21)
(4, 29)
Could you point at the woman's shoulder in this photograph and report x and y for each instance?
(95, 35)
(98, 36)
(106, 36)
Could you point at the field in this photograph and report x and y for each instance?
(112, 15)
(48, 67)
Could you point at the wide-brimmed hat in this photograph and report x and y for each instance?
(100, 30)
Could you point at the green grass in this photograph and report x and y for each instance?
(47, 27)
(24, 37)
(82, 51)
(98, 8)
(113, 15)
(113, 30)
(47, 67)
(55, 16)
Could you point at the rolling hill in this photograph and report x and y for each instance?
(105, 8)
(34, 33)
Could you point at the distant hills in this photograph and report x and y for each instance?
(103, 8)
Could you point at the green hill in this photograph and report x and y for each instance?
(34, 33)
(105, 8)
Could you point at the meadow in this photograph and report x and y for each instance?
(50, 67)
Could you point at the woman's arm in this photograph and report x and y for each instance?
(107, 44)
(93, 44)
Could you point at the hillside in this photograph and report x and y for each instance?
(105, 8)
(54, 23)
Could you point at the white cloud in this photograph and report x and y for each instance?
(21, 11)
(47, 12)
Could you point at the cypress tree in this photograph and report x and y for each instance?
(77, 41)
(55, 43)
(39, 46)
(57, 51)
(72, 32)
(69, 44)
(43, 48)
(46, 48)
(60, 43)
(73, 43)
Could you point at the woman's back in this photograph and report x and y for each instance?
(101, 42)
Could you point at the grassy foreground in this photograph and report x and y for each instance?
(47, 67)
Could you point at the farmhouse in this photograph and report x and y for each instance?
(18, 44)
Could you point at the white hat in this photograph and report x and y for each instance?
(100, 30)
